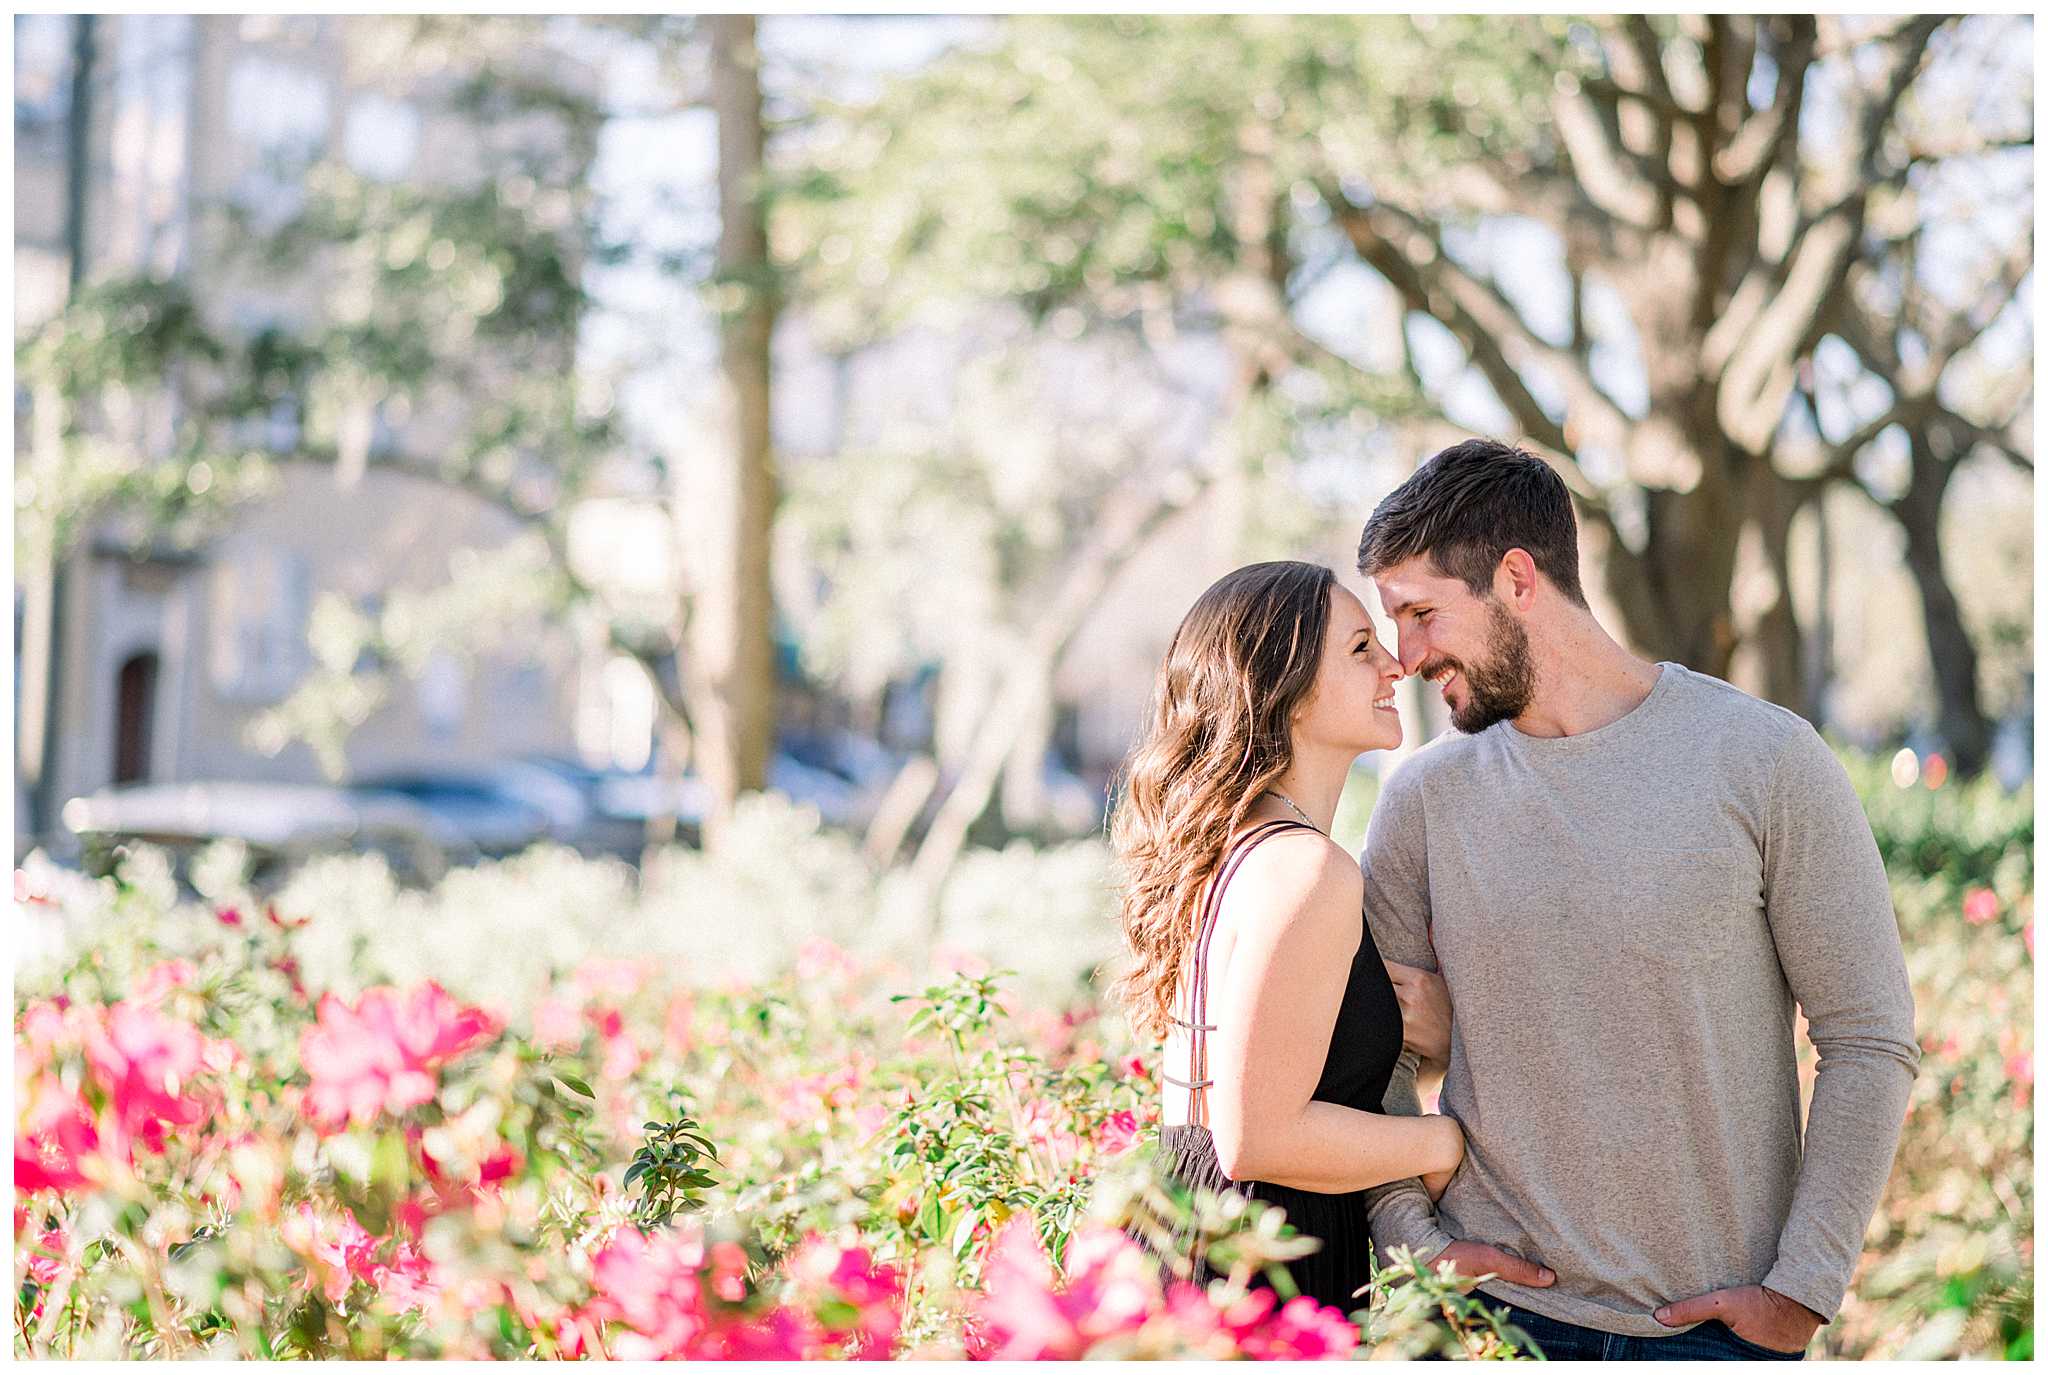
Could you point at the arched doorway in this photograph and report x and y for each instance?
(135, 708)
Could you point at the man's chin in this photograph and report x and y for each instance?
(1472, 718)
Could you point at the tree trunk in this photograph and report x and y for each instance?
(1023, 797)
(1820, 645)
(1961, 713)
(1129, 520)
(733, 645)
(1777, 639)
(47, 569)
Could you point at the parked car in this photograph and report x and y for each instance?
(482, 809)
(281, 823)
(620, 802)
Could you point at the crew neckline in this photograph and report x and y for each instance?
(1623, 725)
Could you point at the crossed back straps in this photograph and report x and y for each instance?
(1197, 987)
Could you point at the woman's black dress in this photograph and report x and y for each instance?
(1365, 1043)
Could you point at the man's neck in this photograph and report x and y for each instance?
(1584, 681)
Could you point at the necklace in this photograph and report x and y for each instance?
(1296, 810)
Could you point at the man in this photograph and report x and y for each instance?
(1627, 873)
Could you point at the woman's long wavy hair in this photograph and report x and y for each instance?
(1245, 657)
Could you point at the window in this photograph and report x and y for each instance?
(257, 606)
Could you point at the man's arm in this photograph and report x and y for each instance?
(1397, 912)
(1830, 910)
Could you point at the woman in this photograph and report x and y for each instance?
(1244, 921)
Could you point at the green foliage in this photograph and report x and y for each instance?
(1968, 832)
(1419, 1312)
(669, 1168)
(964, 1153)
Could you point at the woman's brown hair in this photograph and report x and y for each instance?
(1245, 657)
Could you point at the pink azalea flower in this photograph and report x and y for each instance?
(53, 1138)
(675, 1027)
(380, 1055)
(1980, 905)
(1045, 1127)
(1111, 1286)
(948, 960)
(824, 1272)
(283, 923)
(557, 1024)
(337, 1249)
(159, 979)
(621, 1052)
(410, 1283)
(819, 958)
(144, 1060)
(611, 978)
(649, 1283)
(729, 1271)
(1118, 1134)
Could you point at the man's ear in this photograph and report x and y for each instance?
(1514, 579)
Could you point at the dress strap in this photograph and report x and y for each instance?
(1198, 988)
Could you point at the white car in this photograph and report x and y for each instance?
(283, 821)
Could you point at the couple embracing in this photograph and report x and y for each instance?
(1592, 909)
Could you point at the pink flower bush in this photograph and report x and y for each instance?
(1111, 1304)
(380, 1055)
(650, 1302)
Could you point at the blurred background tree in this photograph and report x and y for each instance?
(1621, 241)
(1751, 284)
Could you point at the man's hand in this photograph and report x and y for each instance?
(1425, 1012)
(1755, 1314)
(1477, 1258)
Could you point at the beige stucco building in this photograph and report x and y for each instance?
(166, 657)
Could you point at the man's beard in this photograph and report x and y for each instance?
(1499, 688)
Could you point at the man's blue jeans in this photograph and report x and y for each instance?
(1710, 1341)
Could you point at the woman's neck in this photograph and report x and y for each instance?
(1314, 785)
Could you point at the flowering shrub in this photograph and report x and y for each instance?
(468, 1124)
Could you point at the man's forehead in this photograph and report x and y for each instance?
(1411, 580)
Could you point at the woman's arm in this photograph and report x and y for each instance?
(1293, 912)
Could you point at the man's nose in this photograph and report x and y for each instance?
(1413, 652)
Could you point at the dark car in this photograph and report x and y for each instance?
(488, 817)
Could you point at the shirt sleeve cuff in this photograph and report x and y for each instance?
(1406, 1219)
(1818, 1295)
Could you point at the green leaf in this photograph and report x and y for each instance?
(571, 1082)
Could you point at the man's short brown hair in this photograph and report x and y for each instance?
(1466, 507)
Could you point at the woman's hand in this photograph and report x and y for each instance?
(1437, 1180)
(1425, 1012)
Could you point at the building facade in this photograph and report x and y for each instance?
(164, 658)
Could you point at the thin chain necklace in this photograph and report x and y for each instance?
(1297, 811)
